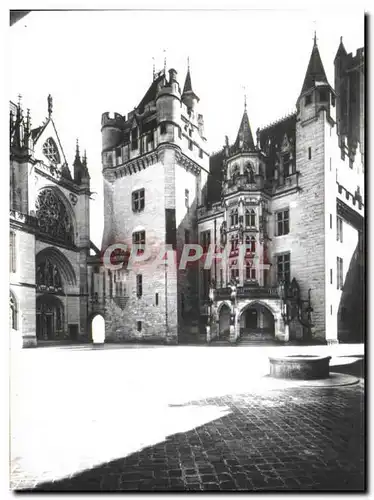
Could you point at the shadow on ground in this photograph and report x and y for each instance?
(355, 368)
(295, 439)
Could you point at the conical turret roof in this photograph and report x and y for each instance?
(244, 139)
(315, 72)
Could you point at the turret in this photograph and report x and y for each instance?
(316, 92)
(111, 131)
(168, 99)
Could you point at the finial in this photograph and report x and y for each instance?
(315, 38)
(154, 68)
(165, 61)
(50, 105)
(19, 100)
(245, 97)
(77, 148)
(341, 39)
(188, 63)
(28, 120)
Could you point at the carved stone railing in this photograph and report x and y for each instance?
(289, 182)
(244, 292)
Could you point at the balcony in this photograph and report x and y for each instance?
(248, 292)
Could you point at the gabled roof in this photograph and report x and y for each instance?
(244, 139)
(315, 72)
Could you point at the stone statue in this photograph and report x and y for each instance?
(233, 293)
(223, 233)
(241, 232)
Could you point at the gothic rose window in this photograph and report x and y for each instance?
(50, 151)
(53, 217)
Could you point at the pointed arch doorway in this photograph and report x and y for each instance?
(49, 318)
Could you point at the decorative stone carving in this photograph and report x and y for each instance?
(53, 217)
(73, 198)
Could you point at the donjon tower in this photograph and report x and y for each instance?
(155, 167)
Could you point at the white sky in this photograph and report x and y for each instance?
(92, 62)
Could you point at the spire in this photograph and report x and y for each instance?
(341, 49)
(244, 139)
(315, 72)
(50, 105)
(77, 160)
(187, 84)
(188, 96)
(84, 160)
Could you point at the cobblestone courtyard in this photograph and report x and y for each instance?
(181, 418)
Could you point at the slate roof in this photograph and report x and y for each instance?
(315, 72)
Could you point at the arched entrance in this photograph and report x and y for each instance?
(257, 323)
(224, 322)
(98, 329)
(49, 318)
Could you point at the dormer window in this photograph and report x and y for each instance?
(50, 151)
(308, 100)
(323, 97)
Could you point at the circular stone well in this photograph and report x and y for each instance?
(300, 367)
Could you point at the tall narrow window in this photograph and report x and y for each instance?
(187, 198)
(283, 223)
(190, 145)
(139, 326)
(186, 236)
(138, 200)
(206, 282)
(283, 267)
(339, 273)
(308, 100)
(139, 285)
(134, 139)
(330, 221)
(252, 218)
(110, 277)
(221, 276)
(156, 299)
(234, 274)
(250, 272)
(253, 244)
(309, 153)
(234, 218)
(331, 276)
(12, 252)
(163, 128)
(234, 242)
(205, 240)
(138, 240)
(286, 165)
(339, 229)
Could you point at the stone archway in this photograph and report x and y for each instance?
(97, 326)
(257, 322)
(224, 314)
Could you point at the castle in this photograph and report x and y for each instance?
(292, 194)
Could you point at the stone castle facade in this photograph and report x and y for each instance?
(292, 193)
